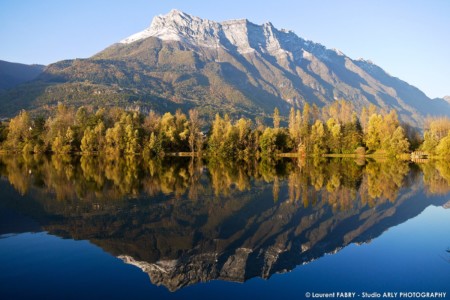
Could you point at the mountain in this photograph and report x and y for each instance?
(238, 67)
(12, 74)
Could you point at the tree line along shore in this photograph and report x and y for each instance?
(336, 129)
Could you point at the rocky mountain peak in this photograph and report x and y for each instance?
(241, 34)
(176, 26)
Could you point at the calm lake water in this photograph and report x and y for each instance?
(130, 228)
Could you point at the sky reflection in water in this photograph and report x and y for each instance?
(186, 223)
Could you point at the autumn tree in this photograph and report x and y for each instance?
(274, 141)
(93, 139)
(195, 135)
(435, 130)
(276, 118)
(124, 137)
(334, 140)
(3, 132)
(385, 133)
(222, 138)
(64, 142)
(57, 126)
(174, 132)
(318, 136)
(151, 128)
(351, 134)
(305, 127)
(246, 142)
(295, 128)
(443, 148)
(374, 132)
(19, 133)
(38, 134)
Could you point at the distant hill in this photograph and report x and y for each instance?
(12, 74)
(237, 67)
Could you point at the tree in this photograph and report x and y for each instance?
(318, 138)
(63, 143)
(374, 132)
(435, 130)
(93, 139)
(397, 143)
(88, 141)
(195, 135)
(57, 126)
(38, 134)
(352, 135)
(223, 140)
(115, 139)
(276, 118)
(304, 127)
(174, 132)
(334, 136)
(3, 132)
(443, 148)
(245, 139)
(267, 143)
(430, 142)
(19, 133)
(132, 145)
(154, 146)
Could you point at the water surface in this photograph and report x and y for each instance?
(95, 227)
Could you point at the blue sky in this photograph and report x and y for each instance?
(410, 39)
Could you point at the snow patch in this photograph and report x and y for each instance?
(307, 55)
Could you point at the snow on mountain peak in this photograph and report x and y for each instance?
(244, 35)
(175, 26)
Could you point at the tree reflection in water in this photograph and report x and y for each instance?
(185, 221)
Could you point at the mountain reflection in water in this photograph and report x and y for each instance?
(184, 222)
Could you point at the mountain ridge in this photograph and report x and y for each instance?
(13, 74)
(234, 67)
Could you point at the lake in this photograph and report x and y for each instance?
(132, 228)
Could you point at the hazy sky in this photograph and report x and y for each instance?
(410, 39)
